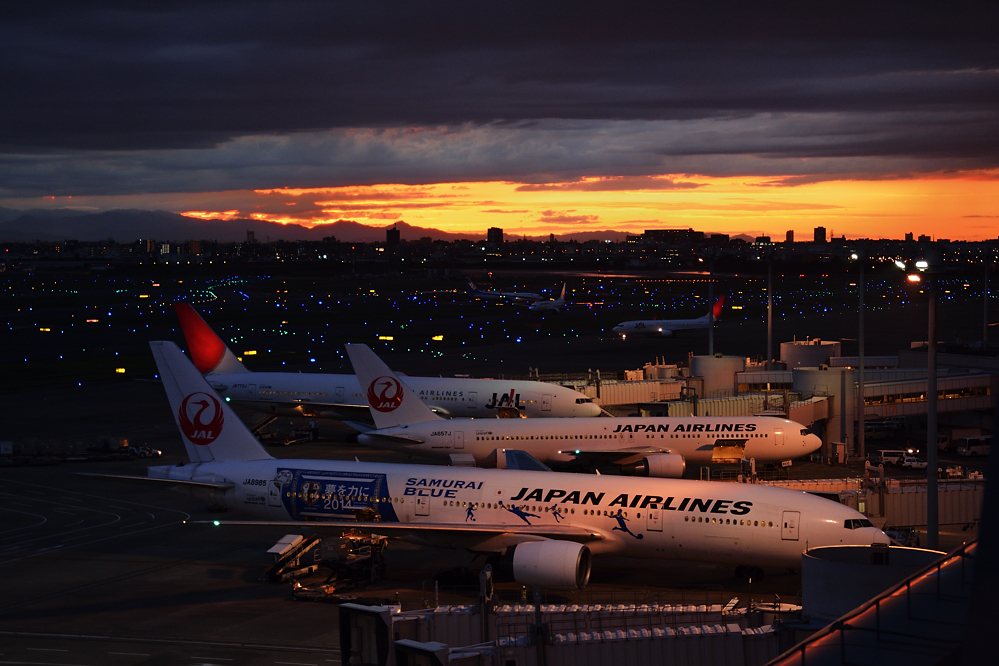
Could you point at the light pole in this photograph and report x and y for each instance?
(932, 507)
(861, 409)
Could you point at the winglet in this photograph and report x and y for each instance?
(391, 402)
(210, 355)
(210, 430)
(717, 309)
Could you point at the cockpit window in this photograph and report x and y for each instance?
(804, 431)
(581, 401)
(857, 523)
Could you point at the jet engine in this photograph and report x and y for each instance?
(664, 465)
(562, 564)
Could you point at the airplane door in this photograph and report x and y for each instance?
(789, 525)
(273, 493)
(473, 396)
(422, 506)
(546, 402)
(779, 437)
(459, 440)
(338, 395)
(655, 522)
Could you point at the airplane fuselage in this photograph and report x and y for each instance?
(648, 518)
(698, 439)
(660, 327)
(340, 396)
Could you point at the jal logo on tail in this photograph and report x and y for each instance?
(385, 394)
(201, 418)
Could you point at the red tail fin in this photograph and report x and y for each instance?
(717, 308)
(206, 348)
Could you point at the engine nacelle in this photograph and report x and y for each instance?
(664, 465)
(665, 332)
(563, 564)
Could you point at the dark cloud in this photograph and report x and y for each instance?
(612, 184)
(174, 96)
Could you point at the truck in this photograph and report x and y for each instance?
(973, 446)
(892, 456)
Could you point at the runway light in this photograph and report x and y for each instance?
(216, 523)
(436, 338)
(250, 353)
(386, 338)
(119, 371)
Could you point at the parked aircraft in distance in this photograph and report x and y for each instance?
(552, 522)
(652, 446)
(556, 304)
(339, 397)
(494, 295)
(667, 327)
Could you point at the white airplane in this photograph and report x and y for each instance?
(653, 446)
(492, 294)
(552, 522)
(339, 397)
(667, 327)
(556, 304)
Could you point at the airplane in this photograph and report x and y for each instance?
(339, 397)
(653, 446)
(552, 522)
(666, 327)
(493, 295)
(556, 304)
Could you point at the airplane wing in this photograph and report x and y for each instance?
(345, 412)
(162, 482)
(550, 531)
(395, 439)
(456, 535)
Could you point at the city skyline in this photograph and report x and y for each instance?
(868, 121)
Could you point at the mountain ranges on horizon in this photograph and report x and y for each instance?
(128, 226)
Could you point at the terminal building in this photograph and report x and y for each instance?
(816, 386)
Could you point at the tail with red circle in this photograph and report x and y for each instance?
(210, 429)
(391, 402)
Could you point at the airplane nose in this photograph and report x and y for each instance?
(812, 443)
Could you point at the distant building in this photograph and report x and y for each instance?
(251, 237)
(392, 236)
(908, 237)
(820, 235)
(789, 236)
(494, 235)
(923, 238)
(674, 236)
(762, 240)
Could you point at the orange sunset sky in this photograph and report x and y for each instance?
(955, 206)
